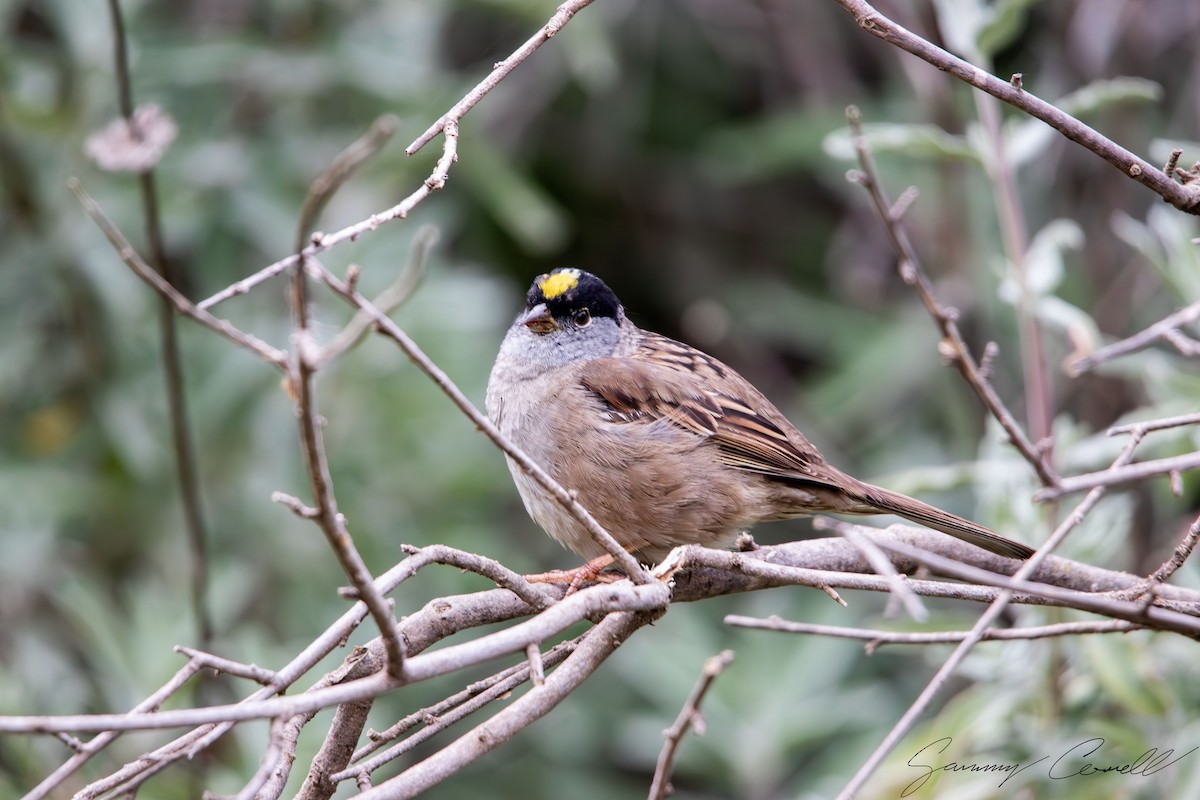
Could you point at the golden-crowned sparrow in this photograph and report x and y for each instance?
(662, 443)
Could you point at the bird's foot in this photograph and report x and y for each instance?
(574, 578)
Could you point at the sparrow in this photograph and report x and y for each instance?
(662, 443)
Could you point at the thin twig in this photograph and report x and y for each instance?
(480, 565)
(269, 354)
(953, 342)
(451, 713)
(447, 125)
(1163, 423)
(1115, 477)
(985, 622)
(689, 717)
(1185, 198)
(874, 638)
(181, 435)
(224, 665)
(602, 599)
(599, 643)
(1038, 401)
(882, 565)
(301, 376)
(388, 300)
(1180, 555)
(561, 17)
(104, 738)
(1159, 330)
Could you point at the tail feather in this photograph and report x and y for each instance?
(880, 499)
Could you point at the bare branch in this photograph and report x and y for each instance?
(601, 642)
(986, 620)
(953, 345)
(1163, 329)
(448, 124)
(388, 300)
(875, 638)
(217, 664)
(881, 564)
(561, 17)
(451, 713)
(104, 738)
(1185, 198)
(1116, 477)
(689, 716)
(150, 131)
(274, 357)
(1182, 551)
(601, 599)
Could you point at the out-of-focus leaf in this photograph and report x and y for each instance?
(916, 141)
(519, 206)
(1007, 19)
(1165, 239)
(783, 141)
(1043, 264)
(1112, 661)
(960, 23)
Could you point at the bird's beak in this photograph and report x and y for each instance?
(538, 320)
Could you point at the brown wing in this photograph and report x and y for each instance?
(668, 380)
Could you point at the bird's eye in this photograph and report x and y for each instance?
(582, 318)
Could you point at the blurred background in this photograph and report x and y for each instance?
(694, 155)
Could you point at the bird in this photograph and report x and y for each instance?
(661, 442)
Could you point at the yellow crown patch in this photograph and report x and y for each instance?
(560, 282)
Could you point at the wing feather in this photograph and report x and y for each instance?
(670, 381)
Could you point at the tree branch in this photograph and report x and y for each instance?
(1185, 198)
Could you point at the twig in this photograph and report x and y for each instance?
(249, 671)
(874, 638)
(689, 716)
(480, 565)
(881, 563)
(1159, 330)
(1115, 477)
(1182, 551)
(437, 620)
(447, 125)
(341, 169)
(104, 738)
(537, 669)
(379, 739)
(561, 17)
(1107, 605)
(269, 354)
(301, 371)
(603, 599)
(344, 730)
(450, 714)
(601, 642)
(181, 435)
(388, 300)
(268, 765)
(1185, 198)
(1038, 401)
(986, 620)
(1160, 424)
(954, 345)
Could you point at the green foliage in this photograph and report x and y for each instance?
(695, 156)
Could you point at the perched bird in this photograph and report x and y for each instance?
(662, 443)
